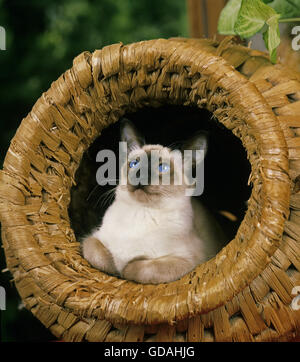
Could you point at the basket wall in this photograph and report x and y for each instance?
(245, 292)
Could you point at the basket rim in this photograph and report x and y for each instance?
(125, 301)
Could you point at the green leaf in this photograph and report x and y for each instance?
(228, 17)
(272, 37)
(252, 17)
(248, 17)
(255, 16)
(286, 8)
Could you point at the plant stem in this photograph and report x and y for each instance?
(290, 20)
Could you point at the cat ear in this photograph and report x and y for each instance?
(198, 142)
(130, 135)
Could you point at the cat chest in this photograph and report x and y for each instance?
(139, 234)
(137, 223)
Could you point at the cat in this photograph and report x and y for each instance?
(153, 233)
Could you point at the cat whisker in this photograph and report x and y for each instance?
(106, 197)
(98, 185)
(174, 145)
(90, 194)
(103, 198)
(111, 197)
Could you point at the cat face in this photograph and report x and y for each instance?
(153, 172)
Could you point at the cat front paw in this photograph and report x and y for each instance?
(136, 270)
(98, 255)
(156, 271)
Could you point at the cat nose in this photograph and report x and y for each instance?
(143, 179)
(140, 184)
(140, 179)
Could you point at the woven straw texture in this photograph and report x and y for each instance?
(245, 292)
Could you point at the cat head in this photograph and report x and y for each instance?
(155, 172)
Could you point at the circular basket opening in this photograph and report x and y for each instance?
(226, 168)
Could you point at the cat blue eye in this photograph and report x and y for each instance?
(164, 167)
(134, 163)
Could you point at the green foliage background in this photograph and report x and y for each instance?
(43, 37)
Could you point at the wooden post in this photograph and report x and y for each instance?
(196, 18)
(203, 17)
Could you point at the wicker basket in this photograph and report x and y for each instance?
(245, 292)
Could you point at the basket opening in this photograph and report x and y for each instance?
(226, 166)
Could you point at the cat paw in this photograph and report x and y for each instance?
(136, 270)
(98, 255)
(155, 271)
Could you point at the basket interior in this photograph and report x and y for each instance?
(226, 166)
